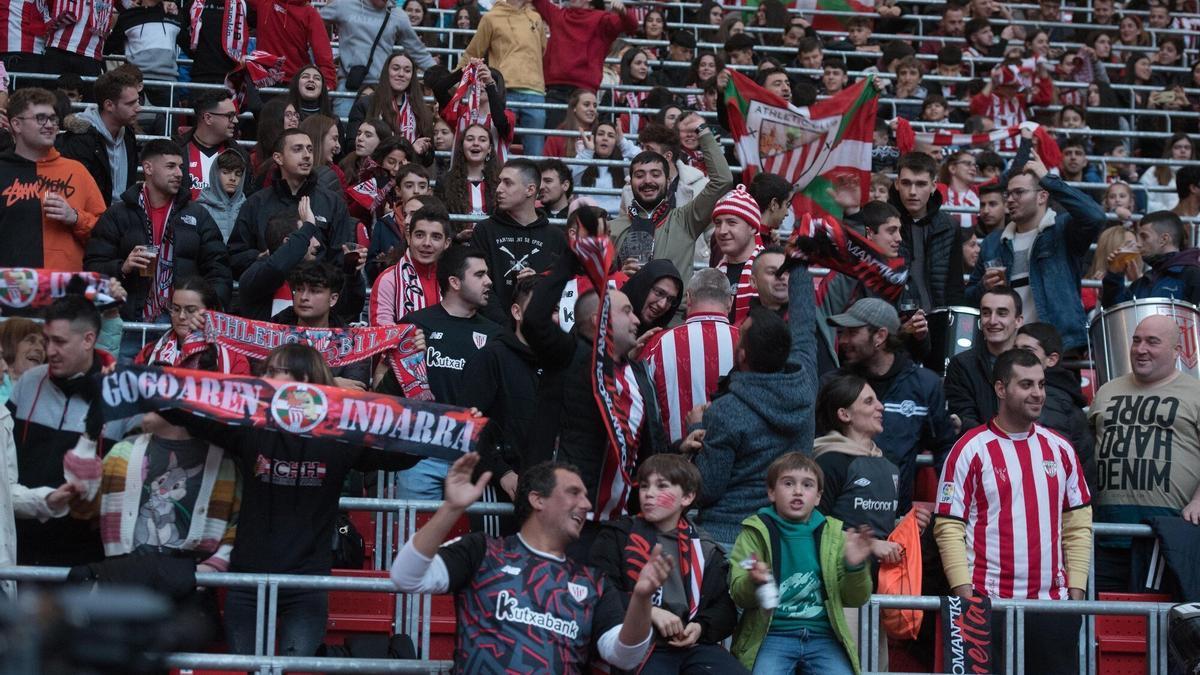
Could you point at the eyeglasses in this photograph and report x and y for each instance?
(185, 310)
(231, 117)
(43, 120)
(291, 115)
(659, 294)
(1017, 193)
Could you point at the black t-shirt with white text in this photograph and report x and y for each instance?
(450, 342)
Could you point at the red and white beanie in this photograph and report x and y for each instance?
(738, 202)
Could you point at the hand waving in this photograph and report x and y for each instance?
(461, 492)
(655, 572)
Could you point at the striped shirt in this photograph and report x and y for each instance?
(81, 26)
(1004, 112)
(686, 362)
(968, 198)
(24, 26)
(1011, 491)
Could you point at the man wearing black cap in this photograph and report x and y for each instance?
(739, 50)
(914, 407)
(682, 49)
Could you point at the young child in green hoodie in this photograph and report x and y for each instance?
(820, 570)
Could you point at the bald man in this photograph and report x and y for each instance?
(1147, 425)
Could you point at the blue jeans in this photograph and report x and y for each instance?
(529, 118)
(810, 652)
(342, 106)
(424, 480)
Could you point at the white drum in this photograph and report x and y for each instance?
(1111, 334)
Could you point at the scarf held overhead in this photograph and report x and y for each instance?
(829, 243)
(338, 346)
(312, 411)
(614, 383)
(32, 287)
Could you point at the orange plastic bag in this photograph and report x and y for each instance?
(903, 578)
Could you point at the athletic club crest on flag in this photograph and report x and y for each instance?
(578, 591)
(298, 408)
(479, 338)
(1187, 340)
(20, 286)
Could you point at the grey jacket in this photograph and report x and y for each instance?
(761, 416)
(358, 22)
(222, 207)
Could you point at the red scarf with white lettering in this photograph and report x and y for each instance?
(168, 351)
(615, 385)
(163, 280)
(410, 292)
(745, 289)
(233, 27)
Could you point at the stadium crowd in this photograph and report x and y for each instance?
(704, 433)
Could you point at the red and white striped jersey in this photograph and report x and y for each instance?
(24, 26)
(1004, 112)
(1011, 491)
(968, 198)
(685, 364)
(80, 26)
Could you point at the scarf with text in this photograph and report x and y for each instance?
(234, 32)
(406, 120)
(163, 280)
(169, 350)
(464, 109)
(826, 242)
(410, 292)
(356, 418)
(614, 383)
(691, 558)
(339, 346)
(32, 287)
(745, 289)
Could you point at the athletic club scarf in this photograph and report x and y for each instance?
(33, 287)
(233, 27)
(613, 380)
(339, 346)
(406, 120)
(163, 281)
(907, 139)
(168, 351)
(691, 558)
(652, 220)
(464, 109)
(745, 289)
(410, 293)
(356, 418)
(827, 242)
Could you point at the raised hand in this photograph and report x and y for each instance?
(654, 573)
(858, 545)
(306, 212)
(461, 492)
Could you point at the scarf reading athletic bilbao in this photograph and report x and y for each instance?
(828, 243)
(357, 418)
(339, 346)
(33, 287)
(966, 636)
(615, 386)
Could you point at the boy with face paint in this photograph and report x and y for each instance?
(692, 612)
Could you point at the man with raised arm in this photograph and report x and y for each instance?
(522, 605)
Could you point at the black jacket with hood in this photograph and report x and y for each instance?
(1176, 275)
(509, 247)
(968, 385)
(572, 430)
(943, 268)
(199, 248)
(638, 289)
(83, 143)
(502, 382)
(1063, 412)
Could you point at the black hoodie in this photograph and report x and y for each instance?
(638, 288)
(510, 247)
(1063, 412)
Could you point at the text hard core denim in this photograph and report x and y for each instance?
(803, 652)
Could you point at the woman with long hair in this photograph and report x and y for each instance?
(705, 68)
(581, 116)
(309, 94)
(958, 174)
(731, 24)
(470, 184)
(1113, 239)
(466, 18)
(635, 71)
(372, 194)
(277, 115)
(654, 27)
(184, 346)
(1130, 34)
(370, 134)
(771, 14)
(400, 102)
(1180, 148)
(605, 141)
(322, 131)
(1101, 42)
(287, 520)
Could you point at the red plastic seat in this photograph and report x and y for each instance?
(1121, 639)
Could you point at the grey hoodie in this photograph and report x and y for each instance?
(116, 150)
(222, 207)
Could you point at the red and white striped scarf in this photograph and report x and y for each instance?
(163, 281)
(691, 558)
(169, 352)
(410, 292)
(615, 385)
(234, 32)
(631, 122)
(406, 121)
(464, 109)
(1047, 147)
(745, 289)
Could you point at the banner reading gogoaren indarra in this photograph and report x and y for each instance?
(355, 417)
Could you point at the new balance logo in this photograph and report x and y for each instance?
(863, 482)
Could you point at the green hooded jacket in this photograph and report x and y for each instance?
(842, 587)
